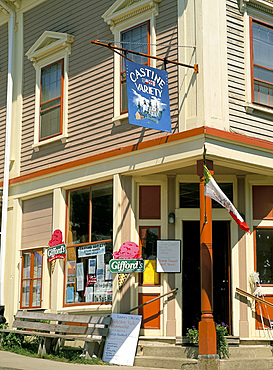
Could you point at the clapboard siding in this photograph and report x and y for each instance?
(3, 91)
(90, 126)
(257, 125)
(37, 221)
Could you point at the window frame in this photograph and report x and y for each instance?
(31, 252)
(50, 48)
(266, 83)
(76, 245)
(61, 103)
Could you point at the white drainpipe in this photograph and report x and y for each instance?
(7, 151)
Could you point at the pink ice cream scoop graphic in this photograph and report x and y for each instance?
(128, 250)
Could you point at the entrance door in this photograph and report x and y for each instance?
(191, 314)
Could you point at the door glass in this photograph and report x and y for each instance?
(149, 237)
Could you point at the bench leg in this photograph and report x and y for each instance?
(44, 346)
(89, 347)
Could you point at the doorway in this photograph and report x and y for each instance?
(191, 314)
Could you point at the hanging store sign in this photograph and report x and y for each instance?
(123, 266)
(56, 252)
(148, 97)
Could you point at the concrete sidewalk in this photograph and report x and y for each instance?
(9, 360)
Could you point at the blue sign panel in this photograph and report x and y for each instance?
(148, 97)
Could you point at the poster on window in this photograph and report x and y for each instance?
(80, 277)
(103, 292)
(148, 96)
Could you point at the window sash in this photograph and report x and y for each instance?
(262, 63)
(31, 282)
(51, 100)
(132, 35)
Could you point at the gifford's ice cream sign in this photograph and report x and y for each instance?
(148, 97)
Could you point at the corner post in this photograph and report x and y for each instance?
(207, 331)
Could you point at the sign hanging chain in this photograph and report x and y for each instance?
(118, 50)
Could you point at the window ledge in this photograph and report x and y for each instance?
(84, 308)
(250, 108)
(36, 146)
(118, 119)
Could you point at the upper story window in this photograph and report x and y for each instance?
(50, 57)
(137, 39)
(133, 27)
(51, 100)
(262, 63)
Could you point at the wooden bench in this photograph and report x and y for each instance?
(54, 329)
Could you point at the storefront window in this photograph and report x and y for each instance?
(31, 279)
(264, 255)
(89, 245)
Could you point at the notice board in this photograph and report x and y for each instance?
(168, 256)
(120, 345)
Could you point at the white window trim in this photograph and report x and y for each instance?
(43, 53)
(121, 17)
(252, 9)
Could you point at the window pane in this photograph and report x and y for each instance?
(88, 277)
(189, 194)
(264, 248)
(79, 216)
(37, 268)
(263, 74)
(25, 293)
(50, 122)
(149, 237)
(51, 82)
(26, 267)
(36, 295)
(124, 102)
(135, 39)
(102, 212)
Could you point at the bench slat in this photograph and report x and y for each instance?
(51, 335)
(72, 329)
(84, 319)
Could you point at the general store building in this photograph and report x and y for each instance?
(73, 161)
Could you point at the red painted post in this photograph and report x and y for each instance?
(207, 331)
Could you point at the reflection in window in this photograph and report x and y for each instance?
(32, 263)
(264, 255)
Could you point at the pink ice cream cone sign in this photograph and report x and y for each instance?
(128, 250)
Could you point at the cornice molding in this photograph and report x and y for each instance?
(48, 44)
(123, 10)
(265, 6)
